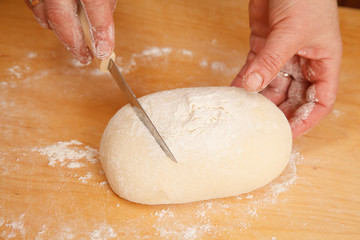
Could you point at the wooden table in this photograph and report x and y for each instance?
(48, 190)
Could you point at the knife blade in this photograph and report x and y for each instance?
(110, 66)
(140, 112)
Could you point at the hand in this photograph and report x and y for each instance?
(300, 38)
(61, 17)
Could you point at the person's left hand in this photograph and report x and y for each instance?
(300, 38)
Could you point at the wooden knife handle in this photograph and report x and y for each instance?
(103, 63)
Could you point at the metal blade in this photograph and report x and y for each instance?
(140, 112)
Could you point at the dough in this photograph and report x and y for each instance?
(226, 141)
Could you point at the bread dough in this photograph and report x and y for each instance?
(226, 141)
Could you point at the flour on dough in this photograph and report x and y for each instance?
(226, 141)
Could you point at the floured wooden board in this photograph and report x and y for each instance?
(53, 112)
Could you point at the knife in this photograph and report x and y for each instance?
(108, 65)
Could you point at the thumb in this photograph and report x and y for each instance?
(279, 47)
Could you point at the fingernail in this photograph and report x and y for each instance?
(253, 82)
(102, 49)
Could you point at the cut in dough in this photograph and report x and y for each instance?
(226, 141)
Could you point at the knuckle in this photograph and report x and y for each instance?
(94, 4)
(55, 14)
(271, 62)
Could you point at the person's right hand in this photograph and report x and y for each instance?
(61, 17)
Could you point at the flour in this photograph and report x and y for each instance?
(76, 63)
(302, 113)
(203, 63)
(311, 94)
(200, 221)
(164, 213)
(186, 52)
(85, 178)
(68, 154)
(97, 72)
(156, 51)
(337, 113)
(31, 55)
(4, 104)
(103, 183)
(16, 71)
(11, 84)
(147, 55)
(14, 228)
(220, 67)
(247, 207)
(103, 232)
(75, 165)
(126, 68)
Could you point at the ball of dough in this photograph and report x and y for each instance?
(226, 141)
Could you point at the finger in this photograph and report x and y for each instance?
(296, 96)
(39, 13)
(112, 5)
(320, 96)
(238, 81)
(280, 46)
(277, 90)
(259, 15)
(306, 117)
(64, 21)
(99, 15)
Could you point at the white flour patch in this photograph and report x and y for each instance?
(97, 72)
(203, 63)
(337, 113)
(220, 67)
(311, 94)
(11, 84)
(302, 113)
(156, 51)
(66, 233)
(186, 52)
(31, 55)
(144, 57)
(125, 68)
(13, 229)
(103, 232)
(68, 154)
(75, 165)
(41, 233)
(74, 62)
(103, 183)
(164, 213)
(85, 178)
(15, 71)
(4, 104)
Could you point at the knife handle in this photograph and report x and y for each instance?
(103, 63)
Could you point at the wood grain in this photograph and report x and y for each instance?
(45, 98)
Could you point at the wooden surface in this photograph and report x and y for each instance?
(45, 98)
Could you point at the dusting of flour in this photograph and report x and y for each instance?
(68, 153)
(236, 215)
